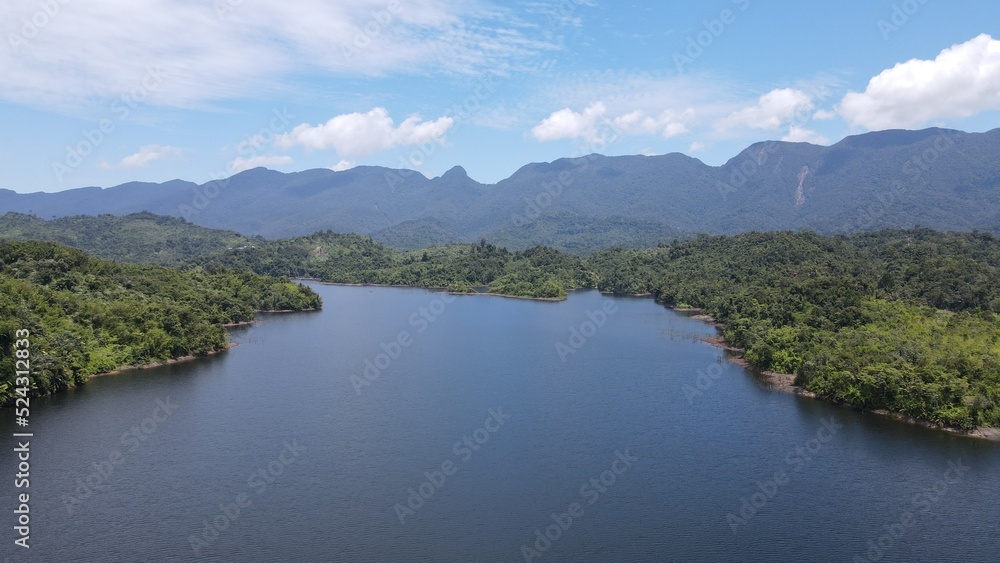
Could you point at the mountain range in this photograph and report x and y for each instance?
(938, 178)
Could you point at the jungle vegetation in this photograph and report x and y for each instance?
(904, 320)
(86, 316)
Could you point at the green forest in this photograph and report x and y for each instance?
(86, 316)
(138, 237)
(903, 320)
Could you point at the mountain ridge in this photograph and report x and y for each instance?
(940, 178)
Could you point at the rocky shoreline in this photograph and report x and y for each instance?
(785, 382)
(165, 362)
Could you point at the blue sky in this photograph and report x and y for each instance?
(104, 92)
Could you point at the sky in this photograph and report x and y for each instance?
(103, 92)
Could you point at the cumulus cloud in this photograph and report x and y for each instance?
(141, 159)
(669, 123)
(568, 124)
(595, 123)
(361, 134)
(239, 164)
(771, 112)
(798, 134)
(343, 165)
(961, 81)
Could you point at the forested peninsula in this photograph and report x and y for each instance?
(86, 316)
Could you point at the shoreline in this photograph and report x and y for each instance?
(785, 383)
(432, 288)
(191, 357)
(169, 362)
(782, 382)
(254, 320)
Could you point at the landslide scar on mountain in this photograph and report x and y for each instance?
(800, 196)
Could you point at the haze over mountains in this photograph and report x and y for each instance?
(938, 178)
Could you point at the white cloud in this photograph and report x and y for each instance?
(251, 144)
(698, 109)
(239, 164)
(343, 165)
(772, 111)
(360, 134)
(246, 49)
(141, 159)
(798, 134)
(594, 125)
(824, 114)
(568, 124)
(961, 81)
(669, 123)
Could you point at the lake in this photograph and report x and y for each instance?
(407, 425)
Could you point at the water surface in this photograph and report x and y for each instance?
(278, 426)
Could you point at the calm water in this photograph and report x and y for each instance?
(277, 425)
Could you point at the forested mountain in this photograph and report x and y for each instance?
(938, 178)
(85, 316)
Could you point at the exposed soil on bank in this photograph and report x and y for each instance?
(785, 382)
(165, 363)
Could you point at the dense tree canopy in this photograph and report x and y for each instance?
(87, 316)
(139, 237)
(905, 320)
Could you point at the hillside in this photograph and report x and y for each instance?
(905, 320)
(137, 238)
(938, 178)
(86, 316)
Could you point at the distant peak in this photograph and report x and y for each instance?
(456, 172)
